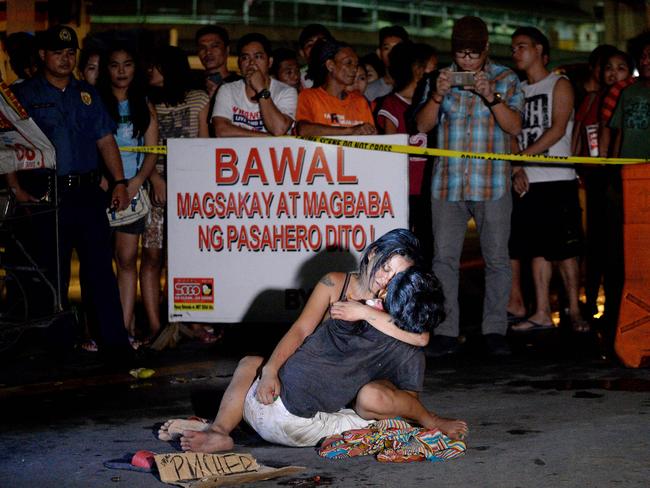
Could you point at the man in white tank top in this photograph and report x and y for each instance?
(546, 222)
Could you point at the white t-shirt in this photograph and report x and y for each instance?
(233, 104)
(538, 115)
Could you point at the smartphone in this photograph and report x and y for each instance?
(215, 78)
(462, 78)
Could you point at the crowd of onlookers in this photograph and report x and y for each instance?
(528, 216)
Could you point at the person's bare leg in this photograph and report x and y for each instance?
(516, 304)
(570, 272)
(126, 253)
(150, 270)
(542, 272)
(382, 400)
(231, 411)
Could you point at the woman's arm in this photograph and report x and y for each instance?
(203, 121)
(149, 163)
(352, 311)
(306, 128)
(311, 316)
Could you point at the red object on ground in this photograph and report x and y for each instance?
(143, 459)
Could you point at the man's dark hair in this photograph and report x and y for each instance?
(393, 31)
(415, 300)
(254, 37)
(313, 30)
(282, 54)
(403, 58)
(213, 29)
(636, 45)
(536, 36)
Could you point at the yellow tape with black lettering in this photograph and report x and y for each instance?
(425, 151)
(145, 149)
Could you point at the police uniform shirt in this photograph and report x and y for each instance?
(73, 120)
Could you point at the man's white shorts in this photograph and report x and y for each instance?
(274, 423)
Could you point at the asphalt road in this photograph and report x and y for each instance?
(554, 414)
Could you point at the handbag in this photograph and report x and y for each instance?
(139, 207)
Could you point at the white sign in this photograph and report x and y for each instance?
(22, 144)
(253, 223)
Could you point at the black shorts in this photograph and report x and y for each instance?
(546, 222)
(136, 227)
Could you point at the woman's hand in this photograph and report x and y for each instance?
(268, 388)
(132, 187)
(349, 311)
(158, 190)
(364, 129)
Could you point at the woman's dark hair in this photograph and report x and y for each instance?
(373, 60)
(628, 60)
(279, 55)
(172, 63)
(400, 242)
(415, 300)
(86, 54)
(403, 58)
(136, 93)
(323, 51)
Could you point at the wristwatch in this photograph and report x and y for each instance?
(495, 101)
(263, 94)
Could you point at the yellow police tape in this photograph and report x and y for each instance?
(425, 151)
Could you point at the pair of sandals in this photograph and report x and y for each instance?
(91, 346)
(516, 324)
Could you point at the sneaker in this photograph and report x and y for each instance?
(496, 345)
(442, 346)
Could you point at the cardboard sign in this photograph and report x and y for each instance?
(23, 145)
(254, 223)
(186, 466)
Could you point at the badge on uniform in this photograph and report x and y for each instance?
(86, 98)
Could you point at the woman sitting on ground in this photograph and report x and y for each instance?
(394, 252)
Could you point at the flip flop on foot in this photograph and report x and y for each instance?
(515, 319)
(173, 429)
(529, 325)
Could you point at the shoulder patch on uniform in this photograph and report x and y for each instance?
(86, 98)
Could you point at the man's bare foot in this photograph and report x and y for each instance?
(206, 441)
(173, 429)
(452, 428)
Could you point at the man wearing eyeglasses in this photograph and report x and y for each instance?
(476, 106)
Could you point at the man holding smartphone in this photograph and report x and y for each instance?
(476, 106)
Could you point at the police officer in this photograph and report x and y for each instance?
(74, 119)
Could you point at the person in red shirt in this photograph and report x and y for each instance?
(408, 63)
